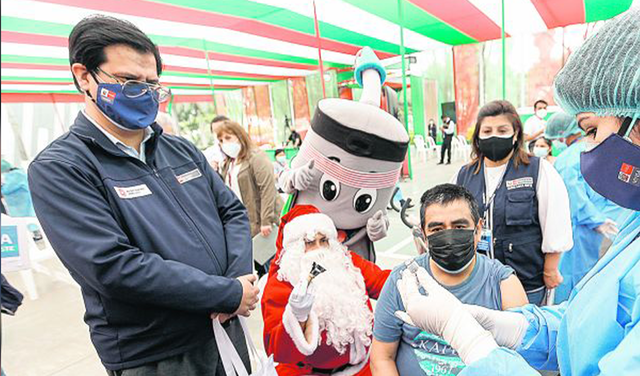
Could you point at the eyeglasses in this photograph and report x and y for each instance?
(134, 88)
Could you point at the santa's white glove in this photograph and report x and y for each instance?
(609, 228)
(297, 179)
(440, 313)
(301, 300)
(508, 328)
(377, 226)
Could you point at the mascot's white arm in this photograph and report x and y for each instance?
(377, 226)
(296, 179)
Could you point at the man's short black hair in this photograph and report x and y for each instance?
(278, 151)
(93, 34)
(540, 101)
(219, 118)
(445, 194)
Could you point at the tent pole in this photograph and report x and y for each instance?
(504, 58)
(213, 93)
(170, 105)
(315, 21)
(404, 81)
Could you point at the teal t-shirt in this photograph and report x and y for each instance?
(422, 353)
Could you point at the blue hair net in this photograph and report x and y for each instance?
(6, 166)
(561, 125)
(603, 75)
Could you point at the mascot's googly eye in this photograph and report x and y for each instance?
(329, 189)
(364, 199)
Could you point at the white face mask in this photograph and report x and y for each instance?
(231, 149)
(542, 113)
(281, 160)
(540, 151)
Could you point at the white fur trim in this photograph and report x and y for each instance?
(292, 327)
(353, 369)
(307, 226)
(357, 351)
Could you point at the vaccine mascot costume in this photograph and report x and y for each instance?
(350, 161)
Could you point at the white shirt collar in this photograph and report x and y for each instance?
(148, 132)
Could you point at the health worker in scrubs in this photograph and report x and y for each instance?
(596, 331)
(594, 218)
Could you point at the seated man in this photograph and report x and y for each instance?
(323, 325)
(451, 224)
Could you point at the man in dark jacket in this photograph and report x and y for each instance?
(156, 241)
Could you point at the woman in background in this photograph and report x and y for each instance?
(248, 171)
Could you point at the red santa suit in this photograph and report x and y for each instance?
(283, 335)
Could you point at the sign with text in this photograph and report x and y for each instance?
(15, 251)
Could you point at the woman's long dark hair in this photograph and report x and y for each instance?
(497, 108)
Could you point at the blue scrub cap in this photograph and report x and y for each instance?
(603, 75)
(561, 125)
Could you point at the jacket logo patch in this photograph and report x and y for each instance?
(133, 192)
(526, 182)
(188, 176)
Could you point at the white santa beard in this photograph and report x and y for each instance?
(340, 299)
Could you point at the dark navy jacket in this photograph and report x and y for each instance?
(517, 236)
(10, 298)
(155, 247)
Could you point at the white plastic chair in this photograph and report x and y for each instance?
(456, 149)
(421, 150)
(33, 256)
(432, 147)
(465, 148)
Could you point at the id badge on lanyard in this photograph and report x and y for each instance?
(486, 239)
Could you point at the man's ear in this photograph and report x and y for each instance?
(81, 74)
(479, 227)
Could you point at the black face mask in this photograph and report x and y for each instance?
(496, 148)
(452, 250)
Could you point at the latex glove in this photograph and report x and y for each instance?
(377, 226)
(442, 314)
(508, 328)
(609, 228)
(422, 308)
(301, 300)
(298, 179)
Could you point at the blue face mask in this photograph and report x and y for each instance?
(613, 169)
(125, 112)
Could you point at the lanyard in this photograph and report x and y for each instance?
(488, 203)
(486, 240)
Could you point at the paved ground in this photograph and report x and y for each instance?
(48, 337)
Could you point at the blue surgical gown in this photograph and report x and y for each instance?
(15, 191)
(595, 332)
(588, 211)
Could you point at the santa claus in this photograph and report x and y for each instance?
(317, 314)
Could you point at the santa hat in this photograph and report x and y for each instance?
(304, 222)
(301, 220)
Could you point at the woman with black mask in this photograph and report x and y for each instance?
(522, 199)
